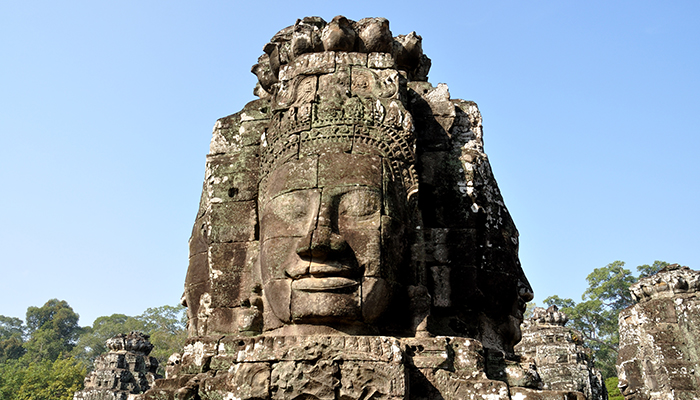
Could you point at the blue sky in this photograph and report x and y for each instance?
(106, 109)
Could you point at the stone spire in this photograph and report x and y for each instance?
(126, 370)
(559, 354)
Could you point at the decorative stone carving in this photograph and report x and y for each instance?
(351, 241)
(559, 355)
(349, 188)
(659, 339)
(125, 371)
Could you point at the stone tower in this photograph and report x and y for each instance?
(124, 372)
(659, 339)
(351, 240)
(559, 353)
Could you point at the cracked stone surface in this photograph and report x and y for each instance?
(353, 196)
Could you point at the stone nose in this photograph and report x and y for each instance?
(321, 241)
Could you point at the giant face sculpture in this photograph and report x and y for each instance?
(327, 230)
(350, 182)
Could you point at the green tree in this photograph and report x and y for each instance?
(53, 329)
(596, 316)
(41, 380)
(167, 326)
(11, 338)
(647, 270)
(610, 285)
(613, 390)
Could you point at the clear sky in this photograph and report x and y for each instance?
(591, 121)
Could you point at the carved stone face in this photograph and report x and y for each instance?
(325, 226)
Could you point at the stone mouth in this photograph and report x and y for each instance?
(334, 268)
(324, 284)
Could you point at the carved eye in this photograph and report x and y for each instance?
(360, 203)
(292, 206)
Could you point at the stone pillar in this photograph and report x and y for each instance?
(660, 337)
(122, 373)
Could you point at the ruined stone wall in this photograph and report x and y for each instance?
(659, 354)
(343, 368)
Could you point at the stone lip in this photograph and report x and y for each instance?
(135, 342)
(671, 280)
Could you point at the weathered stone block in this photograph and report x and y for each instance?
(658, 356)
(231, 272)
(375, 83)
(309, 64)
(380, 60)
(343, 59)
(124, 372)
(326, 140)
(235, 221)
(533, 394)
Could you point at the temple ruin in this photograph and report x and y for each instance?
(351, 240)
(124, 372)
(559, 353)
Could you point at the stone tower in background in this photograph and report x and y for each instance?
(563, 362)
(659, 340)
(124, 372)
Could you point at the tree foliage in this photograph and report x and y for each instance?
(596, 315)
(92, 342)
(41, 380)
(167, 326)
(47, 357)
(613, 390)
(647, 270)
(11, 338)
(53, 329)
